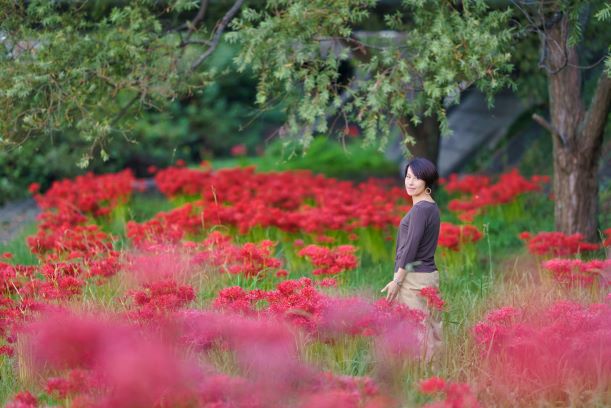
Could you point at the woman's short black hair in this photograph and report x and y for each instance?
(423, 169)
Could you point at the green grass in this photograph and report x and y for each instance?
(19, 247)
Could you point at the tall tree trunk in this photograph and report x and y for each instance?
(428, 137)
(577, 135)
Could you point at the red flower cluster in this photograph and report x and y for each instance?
(250, 259)
(454, 236)
(23, 400)
(560, 346)
(468, 184)
(457, 395)
(571, 272)
(556, 243)
(298, 302)
(162, 296)
(433, 298)
(509, 186)
(92, 194)
(310, 203)
(330, 261)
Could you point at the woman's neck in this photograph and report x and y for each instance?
(422, 197)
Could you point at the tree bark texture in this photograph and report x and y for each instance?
(577, 135)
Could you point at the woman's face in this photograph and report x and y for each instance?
(414, 186)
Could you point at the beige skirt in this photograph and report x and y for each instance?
(409, 295)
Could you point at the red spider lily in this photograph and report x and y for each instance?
(298, 302)
(548, 350)
(23, 400)
(556, 243)
(163, 296)
(495, 325)
(457, 395)
(454, 236)
(432, 385)
(433, 298)
(250, 259)
(246, 199)
(574, 272)
(75, 382)
(468, 184)
(89, 193)
(509, 186)
(70, 242)
(7, 351)
(330, 261)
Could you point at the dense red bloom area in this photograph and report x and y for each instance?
(468, 184)
(250, 259)
(245, 199)
(509, 186)
(548, 350)
(575, 272)
(556, 243)
(91, 194)
(330, 261)
(454, 236)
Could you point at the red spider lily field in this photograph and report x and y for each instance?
(236, 288)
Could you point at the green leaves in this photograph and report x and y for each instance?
(294, 48)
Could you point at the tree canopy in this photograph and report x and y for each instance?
(93, 67)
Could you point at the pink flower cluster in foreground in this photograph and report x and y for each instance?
(546, 351)
(330, 261)
(97, 360)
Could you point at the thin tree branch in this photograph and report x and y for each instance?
(201, 13)
(217, 34)
(544, 123)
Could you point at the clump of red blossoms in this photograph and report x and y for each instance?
(330, 261)
(23, 400)
(163, 296)
(433, 297)
(509, 186)
(547, 351)
(467, 184)
(250, 259)
(556, 243)
(575, 272)
(456, 395)
(454, 236)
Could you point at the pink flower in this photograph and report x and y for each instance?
(432, 385)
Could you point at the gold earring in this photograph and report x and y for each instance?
(428, 190)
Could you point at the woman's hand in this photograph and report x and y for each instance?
(392, 290)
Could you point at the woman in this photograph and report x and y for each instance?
(415, 251)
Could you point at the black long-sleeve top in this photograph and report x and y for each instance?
(417, 238)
